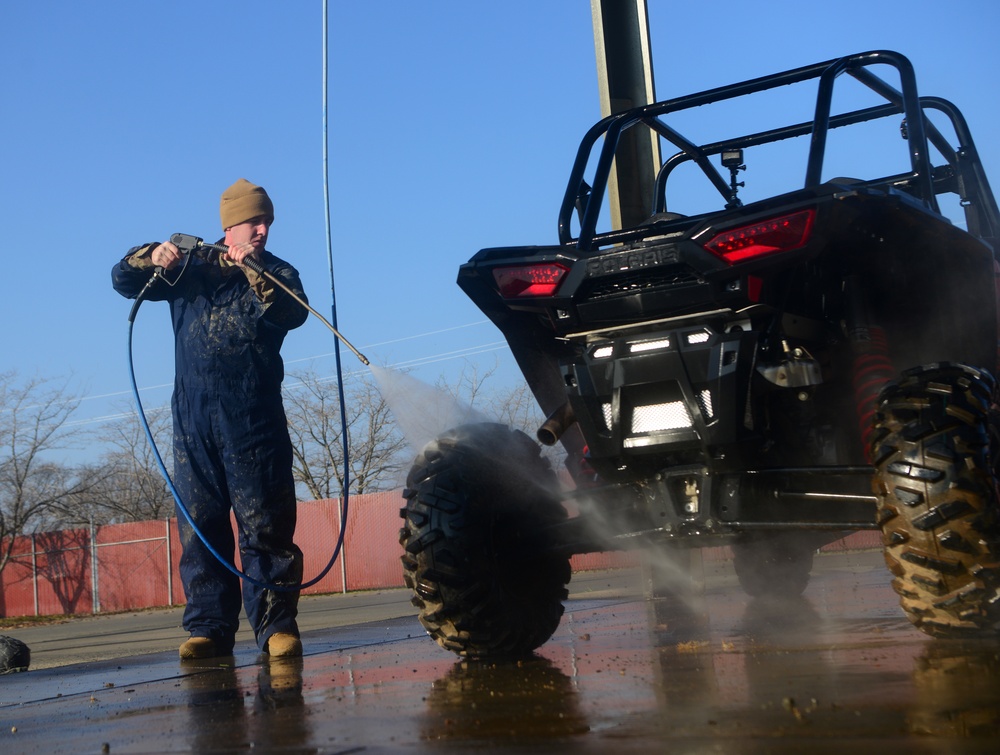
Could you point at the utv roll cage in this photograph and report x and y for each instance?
(961, 174)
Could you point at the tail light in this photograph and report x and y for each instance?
(781, 234)
(529, 280)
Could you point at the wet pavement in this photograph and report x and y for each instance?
(838, 670)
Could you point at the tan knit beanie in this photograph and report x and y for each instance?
(243, 201)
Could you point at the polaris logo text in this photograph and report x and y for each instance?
(635, 260)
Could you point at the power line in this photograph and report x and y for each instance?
(432, 358)
(369, 346)
(445, 356)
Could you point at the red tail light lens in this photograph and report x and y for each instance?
(529, 280)
(779, 234)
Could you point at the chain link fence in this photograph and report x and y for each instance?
(133, 566)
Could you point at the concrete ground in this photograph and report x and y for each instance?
(837, 670)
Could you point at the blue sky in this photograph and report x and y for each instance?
(452, 125)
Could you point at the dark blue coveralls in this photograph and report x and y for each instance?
(231, 445)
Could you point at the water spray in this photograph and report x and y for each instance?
(192, 246)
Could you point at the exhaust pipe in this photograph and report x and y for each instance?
(556, 424)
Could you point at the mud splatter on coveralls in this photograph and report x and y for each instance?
(231, 445)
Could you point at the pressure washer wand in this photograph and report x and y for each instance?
(192, 244)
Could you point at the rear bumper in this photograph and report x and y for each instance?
(691, 507)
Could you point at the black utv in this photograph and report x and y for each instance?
(771, 369)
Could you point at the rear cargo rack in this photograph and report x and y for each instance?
(924, 181)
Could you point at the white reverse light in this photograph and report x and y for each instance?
(603, 352)
(705, 400)
(641, 346)
(672, 415)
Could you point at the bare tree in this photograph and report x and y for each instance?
(129, 485)
(33, 420)
(514, 405)
(374, 444)
(469, 385)
(379, 452)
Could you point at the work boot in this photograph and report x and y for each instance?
(198, 647)
(283, 645)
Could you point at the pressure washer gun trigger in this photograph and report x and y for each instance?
(188, 244)
(185, 243)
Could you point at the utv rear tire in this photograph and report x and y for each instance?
(477, 555)
(937, 498)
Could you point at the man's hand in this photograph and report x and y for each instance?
(166, 255)
(240, 251)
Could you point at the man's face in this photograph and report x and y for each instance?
(253, 230)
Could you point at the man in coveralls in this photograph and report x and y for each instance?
(231, 445)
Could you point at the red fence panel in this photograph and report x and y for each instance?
(316, 533)
(373, 534)
(137, 562)
(64, 567)
(17, 582)
(49, 573)
(134, 570)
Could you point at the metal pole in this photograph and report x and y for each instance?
(625, 77)
(343, 547)
(333, 294)
(94, 582)
(170, 567)
(34, 571)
